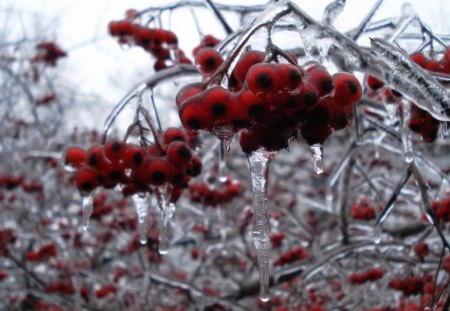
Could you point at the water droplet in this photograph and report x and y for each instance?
(87, 208)
(316, 151)
(259, 163)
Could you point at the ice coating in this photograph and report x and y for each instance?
(405, 132)
(141, 203)
(332, 11)
(166, 211)
(87, 209)
(317, 154)
(259, 163)
(413, 81)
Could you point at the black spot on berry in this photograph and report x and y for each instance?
(310, 99)
(114, 175)
(264, 80)
(218, 109)
(327, 86)
(352, 86)
(210, 62)
(137, 158)
(87, 186)
(194, 123)
(256, 111)
(93, 160)
(184, 152)
(294, 75)
(116, 147)
(159, 177)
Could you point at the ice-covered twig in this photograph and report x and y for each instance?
(344, 194)
(413, 81)
(173, 72)
(389, 205)
(427, 203)
(354, 34)
(219, 16)
(332, 11)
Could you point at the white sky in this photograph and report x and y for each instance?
(97, 65)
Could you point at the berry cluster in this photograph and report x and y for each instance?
(363, 210)
(48, 53)
(294, 254)
(134, 168)
(161, 43)
(7, 236)
(61, 287)
(43, 254)
(45, 100)
(421, 249)
(423, 123)
(442, 65)
(10, 182)
(410, 285)
(372, 274)
(208, 195)
(276, 239)
(269, 102)
(441, 209)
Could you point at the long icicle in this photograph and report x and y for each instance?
(259, 163)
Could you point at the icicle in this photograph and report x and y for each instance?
(222, 162)
(166, 213)
(405, 132)
(308, 41)
(87, 205)
(332, 11)
(316, 151)
(444, 130)
(259, 162)
(323, 45)
(141, 202)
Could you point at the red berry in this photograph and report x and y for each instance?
(321, 79)
(373, 83)
(217, 103)
(96, 158)
(134, 156)
(115, 150)
(208, 60)
(86, 180)
(262, 79)
(194, 116)
(158, 171)
(347, 88)
(174, 134)
(75, 157)
(195, 166)
(179, 153)
(189, 91)
(246, 61)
